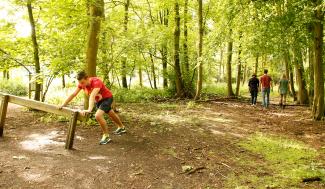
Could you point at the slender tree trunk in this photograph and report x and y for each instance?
(311, 60)
(200, 61)
(63, 81)
(36, 51)
(292, 84)
(153, 70)
(245, 74)
(256, 64)
(164, 65)
(220, 77)
(185, 46)
(303, 93)
(178, 75)
(164, 20)
(239, 70)
(140, 76)
(318, 105)
(96, 11)
(289, 74)
(6, 74)
(229, 71)
(126, 20)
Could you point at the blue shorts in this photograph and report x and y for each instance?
(105, 104)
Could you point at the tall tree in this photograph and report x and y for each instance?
(178, 74)
(239, 66)
(185, 43)
(96, 12)
(230, 92)
(301, 80)
(124, 59)
(164, 51)
(200, 58)
(318, 105)
(38, 84)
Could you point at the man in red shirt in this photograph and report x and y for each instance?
(266, 84)
(99, 93)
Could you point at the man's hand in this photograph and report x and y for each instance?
(61, 107)
(85, 112)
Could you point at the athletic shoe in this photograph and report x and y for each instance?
(119, 131)
(105, 140)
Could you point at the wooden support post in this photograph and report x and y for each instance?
(3, 112)
(71, 130)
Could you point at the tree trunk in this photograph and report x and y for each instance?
(140, 76)
(256, 64)
(96, 13)
(185, 46)
(200, 63)
(311, 59)
(220, 77)
(229, 75)
(292, 84)
(164, 20)
(303, 93)
(63, 81)
(96, 10)
(318, 105)
(126, 20)
(36, 51)
(164, 65)
(239, 70)
(245, 74)
(6, 74)
(289, 74)
(153, 71)
(178, 75)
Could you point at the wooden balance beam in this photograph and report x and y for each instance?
(73, 114)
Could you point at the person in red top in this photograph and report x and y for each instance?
(98, 93)
(266, 84)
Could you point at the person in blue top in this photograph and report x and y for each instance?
(283, 90)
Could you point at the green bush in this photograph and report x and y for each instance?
(139, 94)
(13, 87)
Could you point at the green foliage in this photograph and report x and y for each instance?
(139, 95)
(13, 87)
(287, 163)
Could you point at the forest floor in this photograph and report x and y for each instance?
(169, 145)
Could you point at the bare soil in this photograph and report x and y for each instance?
(162, 140)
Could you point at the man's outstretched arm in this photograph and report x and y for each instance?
(70, 98)
(91, 100)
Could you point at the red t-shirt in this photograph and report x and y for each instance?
(97, 83)
(266, 81)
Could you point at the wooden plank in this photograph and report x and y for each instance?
(71, 131)
(3, 112)
(42, 106)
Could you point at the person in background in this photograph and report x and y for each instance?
(266, 84)
(253, 85)
(283, 90)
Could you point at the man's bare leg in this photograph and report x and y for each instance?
(101, 120)
(115, 118)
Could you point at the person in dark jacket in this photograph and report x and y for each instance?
(254, 85)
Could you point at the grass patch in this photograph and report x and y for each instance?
(285, 164)
(13, 87)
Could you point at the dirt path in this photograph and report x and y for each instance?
(162, 140)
